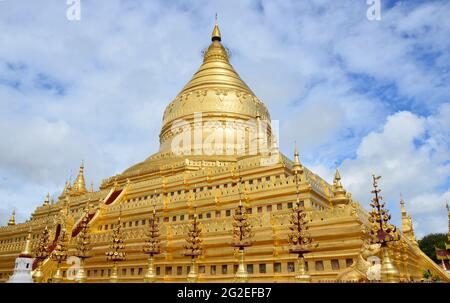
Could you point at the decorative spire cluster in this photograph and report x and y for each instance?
(116, 253)
(299, 237)
(152, 244)
(193, 241)
(242, 228)
(78, 187)
(41, 250)
(382, 231)
(83, 239)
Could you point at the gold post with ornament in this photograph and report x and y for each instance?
(382, 232)
(116, 253)
(83, 249)
(242, 237)
(193, 247)
(299, 240)
(60, 254)
(152, 246)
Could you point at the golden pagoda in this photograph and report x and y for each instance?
(214, 131)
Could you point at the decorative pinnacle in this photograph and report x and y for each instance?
(297, 164)
(337, 175)
(26, 253)
(12, 219)
(47, 200)
(402, 204)
(216, 32)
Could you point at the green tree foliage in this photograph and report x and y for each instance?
(429, 242)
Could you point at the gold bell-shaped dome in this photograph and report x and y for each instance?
(215, 98)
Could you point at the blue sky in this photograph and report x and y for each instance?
(367, 96)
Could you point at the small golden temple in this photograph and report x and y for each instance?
(218, 212)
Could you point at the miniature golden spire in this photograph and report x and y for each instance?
(12, 219)
(92, 187)
(407, 226)
(79, 185)
(26, 253)
(340, 194)
(402, 204)
(297, 165)
(47, 200)
(216, 32)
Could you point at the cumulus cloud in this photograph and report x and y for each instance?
(365, 96)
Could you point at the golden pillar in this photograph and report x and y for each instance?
(241, 273)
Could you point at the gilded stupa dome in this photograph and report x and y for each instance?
(215, 117)
(216, 92)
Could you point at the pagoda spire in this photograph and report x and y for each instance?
(12, 219)
(47, 200)
(340, 194)
(79, 186)
(26, 253)
(407, 226)
(215, 36)
(298, 168)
